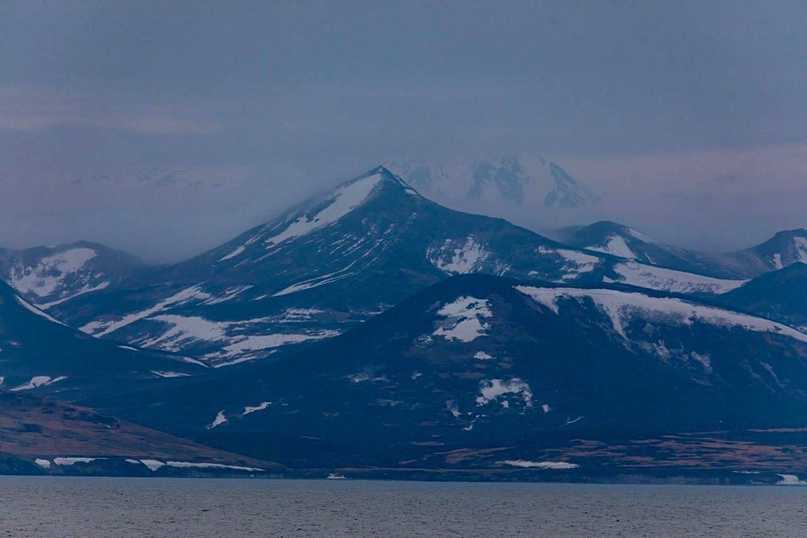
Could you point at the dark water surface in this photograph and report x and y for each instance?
(111, 507)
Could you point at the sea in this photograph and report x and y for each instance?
(56, 507)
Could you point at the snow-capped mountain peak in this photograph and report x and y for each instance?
(319, 213)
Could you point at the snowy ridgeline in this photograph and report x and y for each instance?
(622, 306)
(337, 205)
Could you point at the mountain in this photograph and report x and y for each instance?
(532, 182)
(315, 271)
(330, 263)
(52, 437)
(41, 355)
(779, 295)
(783, 249)
(47, 276)
(480, 370)
(625, 242)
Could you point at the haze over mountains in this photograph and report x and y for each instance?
(454, 340)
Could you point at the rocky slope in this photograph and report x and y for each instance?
(52, 437)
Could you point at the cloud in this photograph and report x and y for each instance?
(712, 200)
(26, 109)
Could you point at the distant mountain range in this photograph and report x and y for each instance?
(455, 342)
(505, 182)
(782, 250)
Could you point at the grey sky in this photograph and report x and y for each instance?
(166, 127)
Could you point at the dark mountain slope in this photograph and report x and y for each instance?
(40, 354)
(779, 295)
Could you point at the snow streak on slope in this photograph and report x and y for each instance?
(801, 249)
(83, 291)
(238, 338)
(103, 328)
(616, 246)
(575, 264)
(622, 307)
(658, 278)
(36, 311)
(346, 200)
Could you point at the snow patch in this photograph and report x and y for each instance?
(539, 464)
(185, 329)
(73, 461)
(300, 314)
(453, 259)
(364, 376)
(260, 407)
(614, 245)
(577, 263)
(241, 248)
(791, 480)
(268, 341)
(152, 465)
(801, 248)
(39, 381)
(229, 293)
(192, 465)
(83, 291)
(25, 304)
(48, 275)
(319, 280)
(102, 328)
(482, 356)
(492, 389)
(218, 421)
(464, 319)
(45, 464)
(160, 373)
